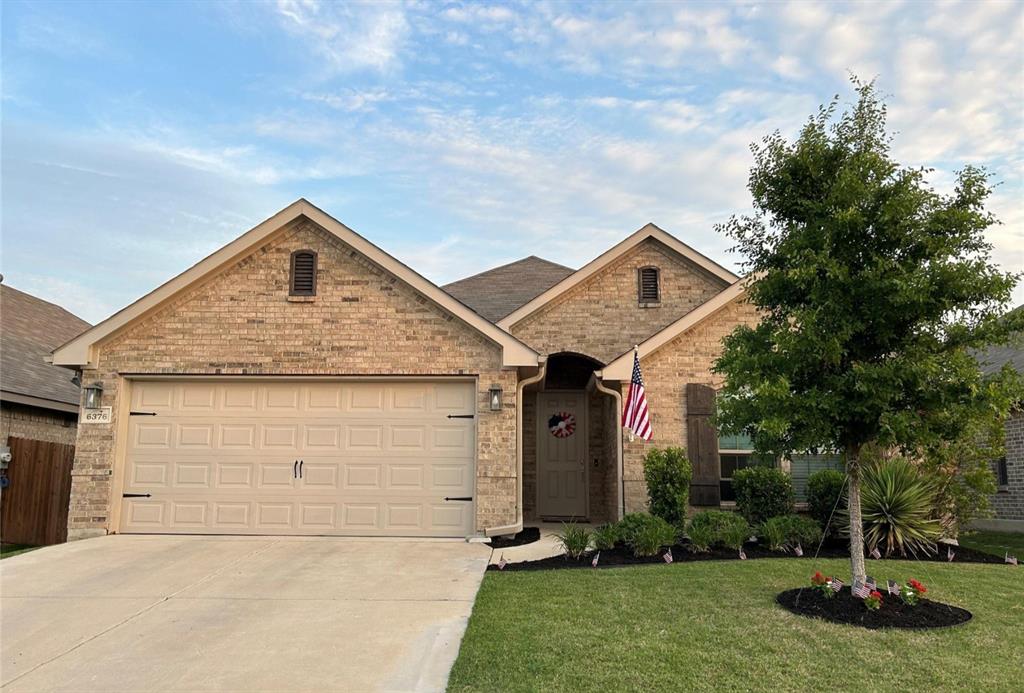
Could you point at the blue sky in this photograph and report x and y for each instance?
(139, 137)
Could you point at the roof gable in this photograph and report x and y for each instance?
(80, 351)
(497, 292)
(32, 327)
(608, 257)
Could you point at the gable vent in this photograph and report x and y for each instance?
(303, 273)
(648, 286)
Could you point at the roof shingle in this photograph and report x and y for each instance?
(499, 291)
(30, 328)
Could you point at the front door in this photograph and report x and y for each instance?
(561, 455)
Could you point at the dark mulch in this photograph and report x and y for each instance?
(847, 609)
(527, 536)
(622, 556)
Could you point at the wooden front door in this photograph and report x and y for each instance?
(562, 455)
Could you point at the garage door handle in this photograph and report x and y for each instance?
(458, 498)
(461, 416)
(301, 462)
(136, 495)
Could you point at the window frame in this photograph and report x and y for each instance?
(640, 285)
(1002, 474)
(292, 291)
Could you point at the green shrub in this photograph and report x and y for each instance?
(786, 531)
(717, 528)
(701, 537)
(668, 475)
(735, 535)
(824, 489)
(896, 508)
(575, 540)
(648, 538)
(606, 536)
(632, 523)
(762, 493)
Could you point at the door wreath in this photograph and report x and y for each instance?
(562, 424)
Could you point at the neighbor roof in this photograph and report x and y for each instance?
(705, 263)
(996, 356)
(31, 328)
(81, 350)
(499, 291)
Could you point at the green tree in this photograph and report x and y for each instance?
(872, 288)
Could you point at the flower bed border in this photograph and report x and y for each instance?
(845, 609)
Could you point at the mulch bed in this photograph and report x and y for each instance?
(849, 610)
(527, 536)
(623, 556)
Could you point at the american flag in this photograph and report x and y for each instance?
(1012, 560)
(597, 557)
(950, 555)
(836, 584)
(634, 414)
(668, 556)
(875, 553)
(860, 589)
(743, 556)
(871, 584)
(798, 550)
(894, 587)
(502, 562)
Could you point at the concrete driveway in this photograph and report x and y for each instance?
(139, 613)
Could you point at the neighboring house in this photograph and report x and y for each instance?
(1008, 502)
(38, 401)
(300, 380)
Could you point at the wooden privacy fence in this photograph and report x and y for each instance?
(34, 507)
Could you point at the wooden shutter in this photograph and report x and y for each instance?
(702, 445)
(647, 285)
(303, 273)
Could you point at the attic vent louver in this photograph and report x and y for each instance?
(648, 286)
(303, 273)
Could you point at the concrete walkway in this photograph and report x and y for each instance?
(135, 613)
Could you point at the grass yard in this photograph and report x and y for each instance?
(8, 550)
(997, 543)
(715, 626)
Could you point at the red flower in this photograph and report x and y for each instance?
(875, 594)
(918, 587)
(819, 579)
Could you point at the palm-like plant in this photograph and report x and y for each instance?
(896, 506)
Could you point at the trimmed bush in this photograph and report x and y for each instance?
(762, 493)
(668, 476)
(786, 531)
(824, 489)
(650, 537)
(575, 540)
(606, 536)
(717, 528)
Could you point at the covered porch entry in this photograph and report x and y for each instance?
(571, 445)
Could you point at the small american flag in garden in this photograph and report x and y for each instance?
(875, 553)
(894, 587)
(597, 557)
(743, 556)
(502, 562)
(668, 556)
(798, 550)
(836, 584)
(1012, 560)
(871, 584)
(950, 555)
(860, 589)
(635, 415)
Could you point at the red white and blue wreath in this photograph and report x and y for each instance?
(562, 424)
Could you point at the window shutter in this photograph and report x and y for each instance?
(702, 445)
(647, 281)
(303, 280)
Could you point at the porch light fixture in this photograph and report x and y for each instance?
(495, 397)
(93, 393)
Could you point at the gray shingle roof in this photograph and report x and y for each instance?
(30, 328)
(499, 291)
(996, 356)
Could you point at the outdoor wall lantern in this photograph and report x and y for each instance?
(93, 393)
(495, 393)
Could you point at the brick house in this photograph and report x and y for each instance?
(300, 380)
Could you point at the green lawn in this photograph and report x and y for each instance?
(715, 626)
(997, 543)
(8, 550)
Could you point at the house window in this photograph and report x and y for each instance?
(735, 453)
(303, 273)
(1002, 474)
(648, 285)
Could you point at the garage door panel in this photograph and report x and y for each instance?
(377, 458)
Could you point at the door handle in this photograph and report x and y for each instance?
(301, 462)
(295, 470)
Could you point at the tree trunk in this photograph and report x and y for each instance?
(856, 525)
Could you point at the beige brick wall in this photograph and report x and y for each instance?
(363, 322)
(601, 317)
(686, 359)
(22, 421)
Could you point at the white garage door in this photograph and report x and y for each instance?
(281, 457)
